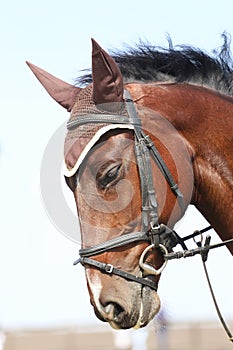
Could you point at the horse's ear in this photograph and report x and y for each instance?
(60, 91)
(107, 78)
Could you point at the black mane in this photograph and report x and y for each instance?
(148, 63)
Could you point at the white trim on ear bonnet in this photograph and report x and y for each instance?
(81, 139)
(78, 150)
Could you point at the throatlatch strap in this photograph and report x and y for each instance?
(164, 169)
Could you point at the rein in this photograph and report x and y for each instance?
(203, 250)
(158, 235)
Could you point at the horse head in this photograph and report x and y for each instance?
(119, 212)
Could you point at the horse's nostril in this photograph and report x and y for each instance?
(109, 310)
(114, 312)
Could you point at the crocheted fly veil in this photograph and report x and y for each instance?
(102, 98)
(80, 139)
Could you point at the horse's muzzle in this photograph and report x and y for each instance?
(130, 310)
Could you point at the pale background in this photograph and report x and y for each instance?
(39, 287)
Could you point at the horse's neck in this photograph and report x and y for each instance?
(214, 194)
(205, 120)
(212, 142)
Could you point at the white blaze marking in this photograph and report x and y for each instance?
(96, 287)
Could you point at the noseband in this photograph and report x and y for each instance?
(158, 235)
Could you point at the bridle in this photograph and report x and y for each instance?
(158, 235)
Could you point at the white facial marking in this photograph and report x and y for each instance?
(96, 287)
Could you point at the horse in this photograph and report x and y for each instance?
(150, 133)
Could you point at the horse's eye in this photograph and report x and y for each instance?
(110, 176)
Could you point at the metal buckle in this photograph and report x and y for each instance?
(155, 231)
(108, 268)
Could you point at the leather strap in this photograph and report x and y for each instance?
(164, 169)
(163, 233)
(111, 270)
(115, 243)
(102, 118)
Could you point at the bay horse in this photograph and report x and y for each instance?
(149, 134)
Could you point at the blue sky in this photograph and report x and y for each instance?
(39, 285)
